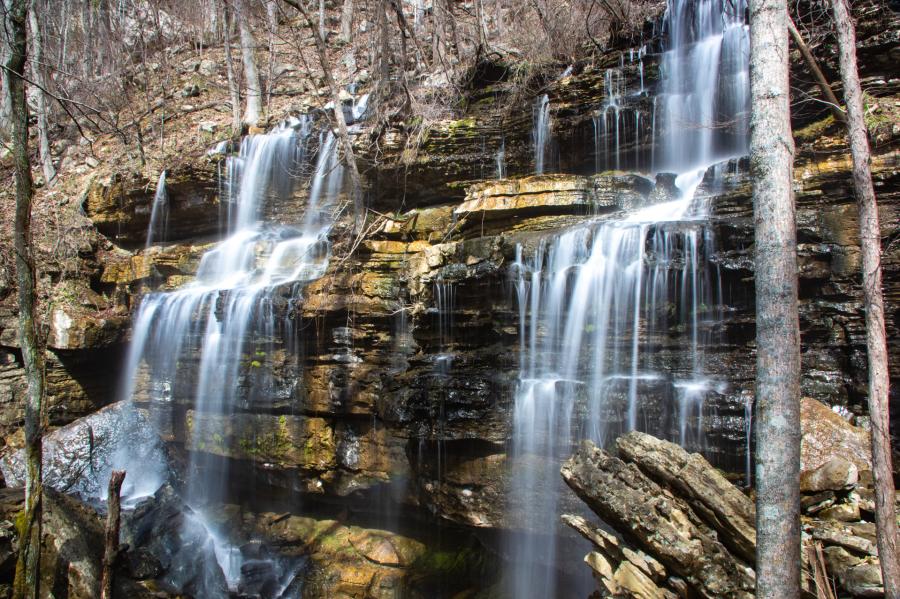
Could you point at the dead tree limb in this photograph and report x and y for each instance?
(827, 93)
(111, 552)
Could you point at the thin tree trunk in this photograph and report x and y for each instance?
(347, 21)
(37, 72)
(876, 340)
(777, 321)
(27, 578)
(234, 89)
(6, 129)
(813, 66)
(482, 26)
(111, 550)
(323, 33)
(253, 111)
(272, 22)
(383, 86)
(343, 134)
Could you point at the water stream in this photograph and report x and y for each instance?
(599, 303)
(541, 132)
(159, 213)
(190, 346)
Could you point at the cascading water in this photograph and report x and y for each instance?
(541, 132)
(159, 213)
(500, 161)
(603, 305)
(704, 92)
(190, 343)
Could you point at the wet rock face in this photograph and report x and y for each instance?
(401, 363)
(120, 206)
(78, 458)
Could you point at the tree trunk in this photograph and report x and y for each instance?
(37, 72)
(343, 134)
(234, 89)
(347, 21)
(813, 66)
(111, 551)
(383, 88)
(876, 341)
(323, 33)
(27, 578)
(272, 22)
(777, 321)
(6, 131)
(251, 74)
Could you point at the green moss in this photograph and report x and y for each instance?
(814, 130)
(275, 445)
(467, 565)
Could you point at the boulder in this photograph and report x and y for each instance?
(860, 576)
(720, 504)
(72, 541)
(79, 456)
(658, 522)
(836, 474)
(826, 435)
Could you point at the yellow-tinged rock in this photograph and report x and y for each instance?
(631, 582)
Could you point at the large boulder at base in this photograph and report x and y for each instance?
(827, 435)
(79, 456)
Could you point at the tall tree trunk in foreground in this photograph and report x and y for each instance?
(27, 578)
(234, 91)
(251, 73)
(37, 71)
(876, 341)
(777, 321)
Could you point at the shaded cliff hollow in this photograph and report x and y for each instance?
(402, 360)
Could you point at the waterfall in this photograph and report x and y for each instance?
(540, 133)
(704, 84)
(190, 344)
(602, 305)
(159, 213)
(500, 160)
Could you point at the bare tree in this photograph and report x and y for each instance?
(813, 66)
(37, 73)
(777, 320)
(347, 21)
(27, 579)
(234, 89)
(253, 111)
(876, 340)
(343, 134)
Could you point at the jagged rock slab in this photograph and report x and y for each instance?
(658, 522)
(720, 504)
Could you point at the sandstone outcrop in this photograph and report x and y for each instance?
(679, 528)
